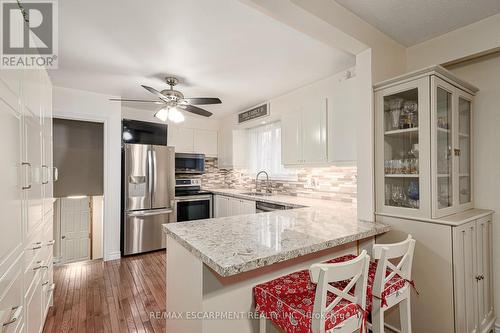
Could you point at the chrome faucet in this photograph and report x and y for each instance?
(268, 189)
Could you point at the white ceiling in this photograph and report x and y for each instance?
(413, 21)
(219, 48)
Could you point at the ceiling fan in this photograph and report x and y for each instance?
(173, 100)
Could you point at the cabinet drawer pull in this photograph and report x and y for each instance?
(37, 247)
(45, 283)
(50, 243)
(17, 312)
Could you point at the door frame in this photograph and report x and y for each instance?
(106, 172)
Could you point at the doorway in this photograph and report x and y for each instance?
(78, 219)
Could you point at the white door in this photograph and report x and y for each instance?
(75, 229)
(10, 167)
(248, 207)
(465, 273)
(485, 277)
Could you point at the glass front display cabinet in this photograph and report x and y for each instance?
(423, 145)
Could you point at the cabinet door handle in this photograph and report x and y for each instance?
(457, 152)
(17, 312)
(46, 168)
(29, 179)
(37, 267)
(55, 173)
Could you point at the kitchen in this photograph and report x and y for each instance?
(263, 166)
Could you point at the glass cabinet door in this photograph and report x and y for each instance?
(464, 152)
(401, 149)
(443, 151)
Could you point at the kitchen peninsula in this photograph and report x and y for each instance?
(213, 264)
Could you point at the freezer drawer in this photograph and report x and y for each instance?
(143, 231)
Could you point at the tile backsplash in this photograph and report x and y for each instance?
(337, 183)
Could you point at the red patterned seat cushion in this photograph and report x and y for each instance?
(289, 300)
(394, 284)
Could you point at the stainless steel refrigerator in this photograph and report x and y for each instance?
(149, 191)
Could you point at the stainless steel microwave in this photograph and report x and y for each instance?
(189, 163)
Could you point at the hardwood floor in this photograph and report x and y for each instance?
(113, 296)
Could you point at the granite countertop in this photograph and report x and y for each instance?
(237, 244)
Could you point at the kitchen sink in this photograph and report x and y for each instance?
(257, 194)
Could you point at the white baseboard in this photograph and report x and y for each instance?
(112, 256)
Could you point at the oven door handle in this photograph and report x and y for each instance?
(142, 213)
(194, 198)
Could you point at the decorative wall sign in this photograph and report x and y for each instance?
(257, 112)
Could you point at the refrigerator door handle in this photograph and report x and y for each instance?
(150, 212)
(153, 175)
(150, 174)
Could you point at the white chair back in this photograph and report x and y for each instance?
(355, 271)
(384, 253)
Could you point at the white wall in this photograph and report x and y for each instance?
(84, 105)
(485, 74)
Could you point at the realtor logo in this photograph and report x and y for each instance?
(29, 34)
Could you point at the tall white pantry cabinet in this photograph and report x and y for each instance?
(424, 186)
(26, 239)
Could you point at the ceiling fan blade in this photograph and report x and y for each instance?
(154, 91)
(134, 100)
(203, 100)
(196, 110)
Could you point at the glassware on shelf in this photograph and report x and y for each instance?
(395, 114)
(401, 166)
(413, 190)
(411, 110)
(442, 122)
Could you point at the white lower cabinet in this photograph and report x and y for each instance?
(472, 248)
(452, 269)
(230, 206)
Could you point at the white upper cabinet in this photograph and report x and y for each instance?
(291, 138)
(205, 141)
(232, 145)
(341, 128)
(423, 144)
(303, 131)
(191, 140)
(318, 123)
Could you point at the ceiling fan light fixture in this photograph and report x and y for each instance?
(175, 115)
(171, 114)
(162, 114)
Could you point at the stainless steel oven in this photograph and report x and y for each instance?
(189, 163)
(191, 202)
(193, 207)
